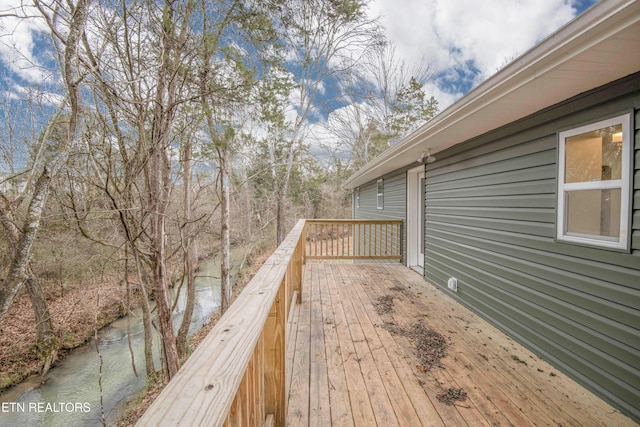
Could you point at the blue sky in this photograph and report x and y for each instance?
(462, 41)
(466, 41)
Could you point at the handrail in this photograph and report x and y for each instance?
(353, 239)
(237, 375)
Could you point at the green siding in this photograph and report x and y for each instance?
(395, 203)
(491, 221)
(635, 229)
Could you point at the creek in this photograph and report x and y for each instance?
(70, 395)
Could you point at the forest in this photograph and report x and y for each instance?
(161, 133)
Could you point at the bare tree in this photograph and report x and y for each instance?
(44, 164)
(45, 167)
(134, 61)
(188, 244)
(325, 39)
(236, 36)
(386, 101)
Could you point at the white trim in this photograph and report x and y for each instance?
(594, 185)
(622, 242)
(415, 259)
(380, 194)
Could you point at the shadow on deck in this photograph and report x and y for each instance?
(354, 360)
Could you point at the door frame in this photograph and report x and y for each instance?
(415, 221)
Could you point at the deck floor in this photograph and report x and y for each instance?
(354, 366)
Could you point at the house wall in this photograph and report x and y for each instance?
(395, 203)
(491, 221)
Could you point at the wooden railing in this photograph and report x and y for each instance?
(238, 375)
(353, 239)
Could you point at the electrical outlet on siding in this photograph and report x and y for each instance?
(452, 284)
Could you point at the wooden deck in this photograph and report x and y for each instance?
(354, 366)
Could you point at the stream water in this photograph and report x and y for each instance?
(70, 395)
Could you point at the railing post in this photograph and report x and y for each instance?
(274, 357)
(298, 262)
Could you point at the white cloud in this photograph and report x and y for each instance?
(444, 98)
(466, 36)
(18, 42)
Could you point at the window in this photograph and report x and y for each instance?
(381, 194)
(357, 196)
(593, 183)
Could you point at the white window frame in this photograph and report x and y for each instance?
(357, 196)
(623, 184)
(380, 194)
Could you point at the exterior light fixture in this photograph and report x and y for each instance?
(426, 157)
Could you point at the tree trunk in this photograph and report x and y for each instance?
(159, 192)
(148, 335)
(18, 272)
(190, 255)
(159, 181)
(47, 341)
(146, 319)
(225, 249)
(39, 303)
(163, 304)
(282, 198)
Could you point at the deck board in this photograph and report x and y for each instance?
(357, 395)
(299, 388)
(319, 405)
(407, 401)
(350, 369)
(341, 413)
(380, 399)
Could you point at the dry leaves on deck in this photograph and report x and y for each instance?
(384, 304)
(451, 395)
(431, 345)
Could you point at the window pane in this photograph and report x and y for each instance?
(594, 156)
(593, 213)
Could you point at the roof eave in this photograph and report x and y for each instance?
(486, 107)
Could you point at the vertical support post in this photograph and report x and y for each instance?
(331, 235)
(274, 356)
(306, 238)
(258, 355)
(400, 234)
(394, 232)
(356, 242)
(298, 261)
(386, 239)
